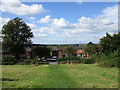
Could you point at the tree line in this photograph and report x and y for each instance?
(107, 44)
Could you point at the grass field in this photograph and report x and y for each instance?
(59, 76)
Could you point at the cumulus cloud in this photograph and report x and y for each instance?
(45, 20)
(110, 13)
(16, 7)
(56, 23)
(62, 23)
(86, 28)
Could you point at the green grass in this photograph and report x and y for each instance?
(59, 76)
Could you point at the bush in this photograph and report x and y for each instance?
(69, 58)
(35, 61)
(73, 59)
(25, 62)
(88, 60)
(110, 60)
(9, 60)
(29, 62)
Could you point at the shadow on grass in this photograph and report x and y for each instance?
(8, 79)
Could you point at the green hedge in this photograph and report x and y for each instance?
(9, 60)
(29, 62)
(89, 60)
(73, 59)
(69, 58)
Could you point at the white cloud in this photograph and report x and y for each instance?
(110, 13)
(45, 20)
(30, 18)
(40, 35)
(3, 21)
(56, 23)
(86, 29)
(61, 23)
(16, 7)
(32, 26)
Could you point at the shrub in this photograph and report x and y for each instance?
(88, 60)
(35, 61)
(69, 58)
(73, 59)
(110, 60)
(9, 60)
(25, 62)
(29, 62)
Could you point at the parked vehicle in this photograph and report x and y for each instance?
(49, 59)
(54, 58)
(43, 59)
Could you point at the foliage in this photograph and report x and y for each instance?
(110, 51)
(92, 49)
(25, 62)
(41, 51)
(31, 62)
(77, 59)
(16, 37)
(110, 60)
(87, 60)
(9, 60)
(70, 50)
(35, 61)
(69, 58)
(110, 43)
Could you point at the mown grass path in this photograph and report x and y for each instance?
(59, 76)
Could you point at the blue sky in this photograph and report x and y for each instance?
(68, 22)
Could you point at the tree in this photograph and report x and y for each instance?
(92, 49)
(69, 50)
(16, 37)
(115, 43)
(110, 43)
(42, 51)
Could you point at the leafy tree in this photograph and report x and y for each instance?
(92, 49)
(16, 37)
(110, 43)
(41, 51)
(69, 50)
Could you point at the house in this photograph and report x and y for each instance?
(81, 53)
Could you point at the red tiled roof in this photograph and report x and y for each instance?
(80, 51)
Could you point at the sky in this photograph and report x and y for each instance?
(63, 22)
